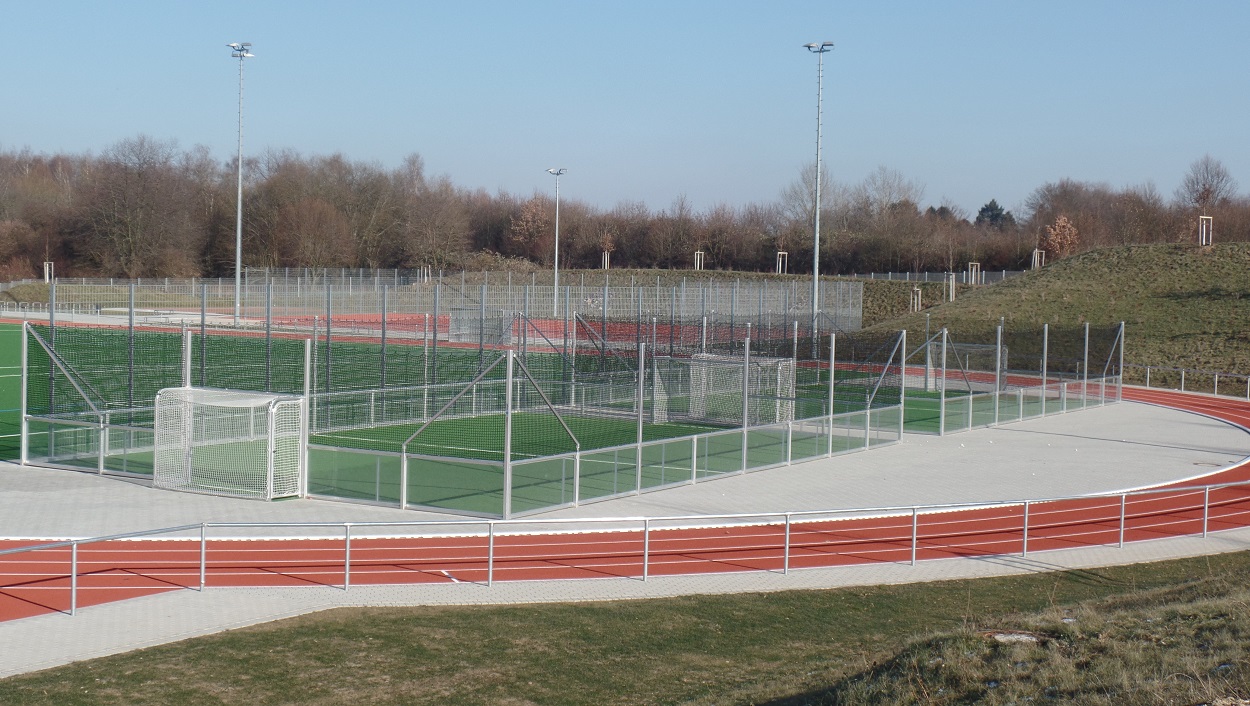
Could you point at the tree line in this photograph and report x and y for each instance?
(146, 208)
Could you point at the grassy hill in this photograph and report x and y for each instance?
(1184, 306)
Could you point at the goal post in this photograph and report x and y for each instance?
(714, 386)
(230, 442)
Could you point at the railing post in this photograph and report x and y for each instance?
(694, 459)
(1206, 509)
(1024, 545)
(915, 523)
(646, 547)
(203, 554)
(1124, 502)
(1182, 379)
(490, 554)
(347, 555)
(1147, 376)
(73, 578)
(785, 564)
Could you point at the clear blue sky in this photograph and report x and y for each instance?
(644, 100)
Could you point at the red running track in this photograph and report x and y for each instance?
(38, 582)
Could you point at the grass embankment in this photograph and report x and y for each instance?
(1139, 634)
(1184, 306)
(26, 293)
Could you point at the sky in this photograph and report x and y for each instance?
(647, 101)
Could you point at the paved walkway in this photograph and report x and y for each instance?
(1095, 451)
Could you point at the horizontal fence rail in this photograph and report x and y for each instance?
(1189, 380)
(343, 554)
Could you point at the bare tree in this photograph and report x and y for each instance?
(1206, 184)
(136, 218)
(437, 230)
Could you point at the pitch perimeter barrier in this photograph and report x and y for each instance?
(955, 383)
(1190, 380)
(486, 551)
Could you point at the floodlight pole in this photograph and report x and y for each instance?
(240, 52)
(555, 267)
(819, 50)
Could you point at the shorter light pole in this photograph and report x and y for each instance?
(555, 267)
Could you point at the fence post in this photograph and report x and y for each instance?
(203, 554)
(694, 458)
(832, 367)
(1124, 502)
(1045, 362)
(998, 371)
(73, 578)
(1085, 371)
(347, 555)
(1119, 386)
(1182, 379)
(746, 394)
(1024, 545)
(915, 523)
(507, 440)
(902, 384)
(646, 547)
(490, 554)
(403, 476)
(1206, 509)
(642, 378)
(24, 454)
(942, 390)
(785, 566)
(1148, 380)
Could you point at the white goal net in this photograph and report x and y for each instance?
(708, 387)
(229, 442)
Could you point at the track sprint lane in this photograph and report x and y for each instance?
(38, 582)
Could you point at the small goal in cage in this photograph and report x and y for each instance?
(230, 442)
(708, 388)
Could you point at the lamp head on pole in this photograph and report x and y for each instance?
(241, 50)
(820, 48)
(556, 172)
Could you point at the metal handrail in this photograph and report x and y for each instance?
(647, 522)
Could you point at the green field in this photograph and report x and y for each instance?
(544, 468)
(10, 391)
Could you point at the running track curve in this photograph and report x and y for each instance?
(37, 582)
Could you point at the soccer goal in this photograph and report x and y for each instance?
(230, 442)
(708, 387)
